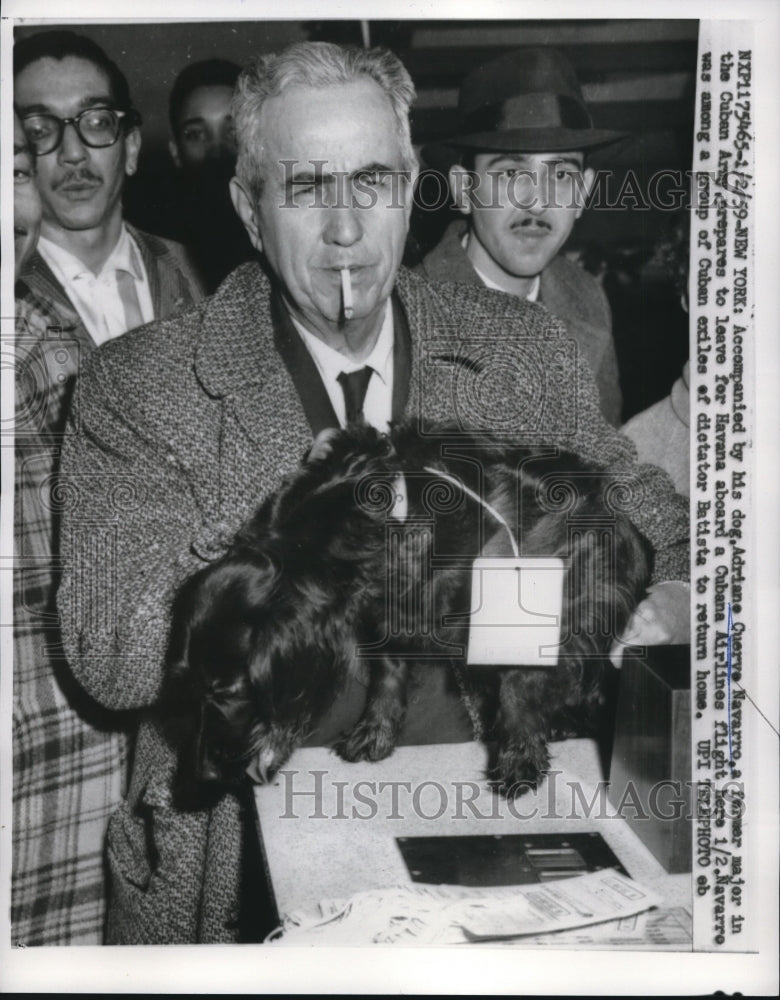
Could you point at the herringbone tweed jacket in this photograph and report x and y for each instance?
(568, 291)
(184, 426)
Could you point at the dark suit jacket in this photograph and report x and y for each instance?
(569, 292)
(209, 423)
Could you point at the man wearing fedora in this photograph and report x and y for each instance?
(518, 174)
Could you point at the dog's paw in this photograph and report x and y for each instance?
(564, 732)
(369, 740)
(520, 766)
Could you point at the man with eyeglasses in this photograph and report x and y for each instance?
(76, 113)
(91, 278)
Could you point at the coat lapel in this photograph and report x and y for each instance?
(263, 422)
(558, 296)
(169, 292)
(40, 280)
(302, 370)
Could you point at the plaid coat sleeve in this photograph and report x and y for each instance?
(70, 754)
(69, 759)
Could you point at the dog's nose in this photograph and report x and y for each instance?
(206, 768)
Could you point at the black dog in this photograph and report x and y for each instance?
(329, 567)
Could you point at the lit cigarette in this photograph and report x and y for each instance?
(346, 292)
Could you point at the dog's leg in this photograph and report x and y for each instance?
(375, 735)
(522, 729)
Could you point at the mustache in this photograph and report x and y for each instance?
(77, 177)
(531, 221)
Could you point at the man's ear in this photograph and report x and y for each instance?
(173, 149)
(588, 177)
(132, 150)
(460, 187)
(245, 209)
(414, 173)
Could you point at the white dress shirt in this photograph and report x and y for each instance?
(96, 297)
(378, 405)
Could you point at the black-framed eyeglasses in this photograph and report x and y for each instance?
(96, 127)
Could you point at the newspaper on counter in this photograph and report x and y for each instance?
(438, 915)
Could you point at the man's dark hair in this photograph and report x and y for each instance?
(60, 45)
(209, 73)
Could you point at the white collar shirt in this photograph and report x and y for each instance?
(96, 297)
(378, 404)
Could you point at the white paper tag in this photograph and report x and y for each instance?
(516, 612)
(400, 508)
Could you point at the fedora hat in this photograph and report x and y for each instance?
(526, 101)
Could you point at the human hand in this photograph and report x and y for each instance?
(662, 619)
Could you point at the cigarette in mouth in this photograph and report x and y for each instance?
(346, 292)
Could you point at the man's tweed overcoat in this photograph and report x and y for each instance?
(568, 291)
(184, 427)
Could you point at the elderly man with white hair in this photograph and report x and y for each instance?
(201, 416)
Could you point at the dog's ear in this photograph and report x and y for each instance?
(220, 611)
(207, 692)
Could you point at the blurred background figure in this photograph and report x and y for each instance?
(203, 149)
(27, 201)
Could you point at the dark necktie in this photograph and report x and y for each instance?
(354, 386)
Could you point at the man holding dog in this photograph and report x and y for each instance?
(517, 171)
(218, 404)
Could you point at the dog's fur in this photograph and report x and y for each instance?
(264, 639)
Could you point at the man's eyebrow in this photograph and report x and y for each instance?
(195, 120)
(32, 109)
(517, 158)
(320, 176)
(89, 101)
(374, 168)
(573, 160)
(521, 160)
(97, 100)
